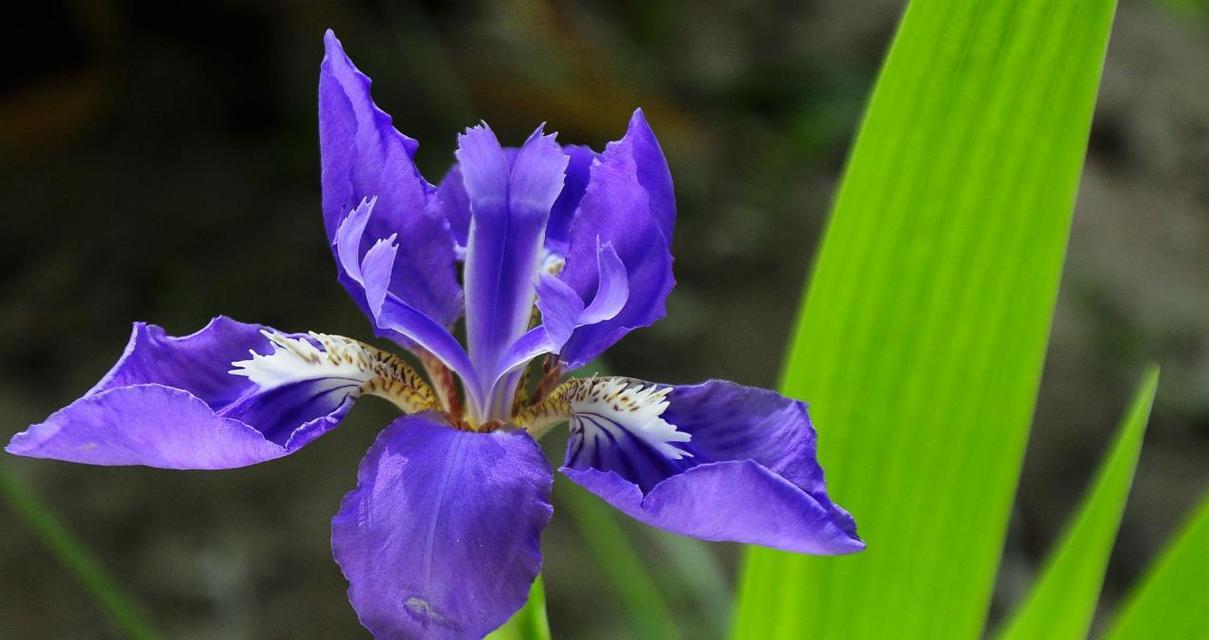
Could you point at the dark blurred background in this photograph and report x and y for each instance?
(159, 162)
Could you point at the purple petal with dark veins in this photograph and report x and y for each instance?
(441, 537)
(363, 156)
(171, 402)
(510, 206)
(739, 466)
(628, 203)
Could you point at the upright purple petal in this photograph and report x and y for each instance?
(510, 206)
(716, 461)
(370, 272)
(628, 203)
(558, 230)
(398, 317)
(612, 287)
(174, 403)
(653, 172)
(563, 310)
(452, 193)
(456, 204)
(440, 539)
(362, 157)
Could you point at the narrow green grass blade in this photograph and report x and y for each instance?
(530, 622)
(123, 613)
(1063, 601)
(695, 569)
(1170, 601)
(621, 566)
(921, 341)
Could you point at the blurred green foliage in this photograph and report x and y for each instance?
(123, 613)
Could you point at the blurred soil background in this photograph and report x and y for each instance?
(159, 162)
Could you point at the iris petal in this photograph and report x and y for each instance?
(510, 204)
(716, 461)
(629, 204)
(363, 156)
(562, 308)
(456, 203)
(371, 275)
(173, 403)
(558, 230)
(440, 539)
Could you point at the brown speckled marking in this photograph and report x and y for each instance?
(390, 377)
(558, 405)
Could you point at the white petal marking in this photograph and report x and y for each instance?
(618, 404)
(297, 359)
(339, 360)
(596, 406)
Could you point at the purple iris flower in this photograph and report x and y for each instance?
(562, 251)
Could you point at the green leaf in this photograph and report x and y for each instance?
(618, 561)
(1063, 600)
(123, 613)
(921, 342)
(1169, 602)
(530, 622)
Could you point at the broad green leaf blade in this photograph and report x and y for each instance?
(921, 341)
(1170, 601)
(1063, 600)
(530, 622)
(123, 613)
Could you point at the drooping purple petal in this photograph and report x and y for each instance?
(174, 403)
(363, 156)
(440, 539)
(716, 461)
(147, 424)
(628, 203)
(510, 206)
